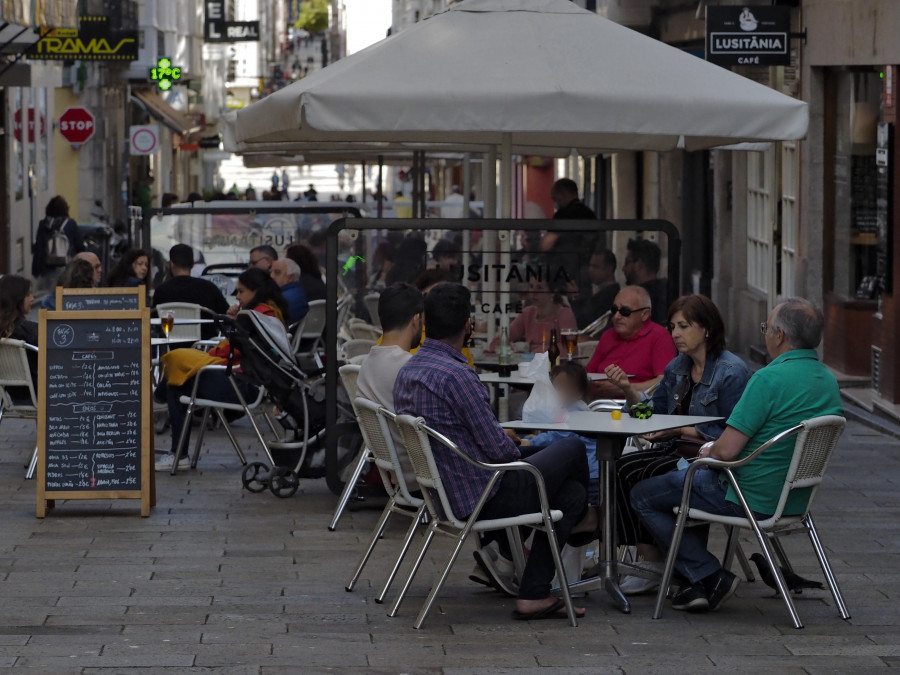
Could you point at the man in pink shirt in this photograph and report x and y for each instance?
(637, 345)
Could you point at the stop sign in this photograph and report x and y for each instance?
(76, 125)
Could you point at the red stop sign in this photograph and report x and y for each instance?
(76, 125)
(19, 123)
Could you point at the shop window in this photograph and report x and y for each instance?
(761, 200)
(788, 230)
(856, 109)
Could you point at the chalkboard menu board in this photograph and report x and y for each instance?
(862, 193)
(94, 429)
(92, 299)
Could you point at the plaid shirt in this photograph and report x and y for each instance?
(438, 385)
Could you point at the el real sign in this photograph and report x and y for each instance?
(217, 29)
(738, 35)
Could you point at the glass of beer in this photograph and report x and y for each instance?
(570, 340)
(167, 322)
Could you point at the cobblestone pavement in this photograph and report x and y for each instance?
(221, 580)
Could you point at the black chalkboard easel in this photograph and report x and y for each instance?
(93, 299)
(94, 415)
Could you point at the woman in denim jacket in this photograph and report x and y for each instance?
(704, 379)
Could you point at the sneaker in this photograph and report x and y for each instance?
(500, 570)
(691, 598)
(719, 587)
(478, 576)
(635, 585)
(165, 462)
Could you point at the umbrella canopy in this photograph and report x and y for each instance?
(535, 74)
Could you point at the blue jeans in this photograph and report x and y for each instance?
(653, 500)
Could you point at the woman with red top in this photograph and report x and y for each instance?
(256, 291)
(547, 311)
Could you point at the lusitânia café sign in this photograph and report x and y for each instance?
(738, 35)
(93, 40)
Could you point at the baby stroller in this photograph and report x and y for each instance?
(267, 361)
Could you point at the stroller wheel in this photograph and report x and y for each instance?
(255, 477)
(283, 482)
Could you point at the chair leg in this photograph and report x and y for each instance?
(32, 464)
(670, 561)
(376, 535)
(412, 572)
(780, 553)
(763, 540)
(186, 427)
(439, 584)
(364, 457)
(743, 562)
(251, 418)
(231, 436)
(560, 571)
(407, 542)
(195, 456)
(517, 548)
(826, 566)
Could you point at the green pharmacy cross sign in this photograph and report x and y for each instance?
(165, 75)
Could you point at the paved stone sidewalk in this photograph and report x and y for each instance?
(221, 580)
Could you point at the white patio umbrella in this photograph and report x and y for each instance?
(541, 75)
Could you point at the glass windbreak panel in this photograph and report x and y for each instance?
(532, 281)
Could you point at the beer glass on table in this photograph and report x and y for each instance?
(167, 322)
(570, 341)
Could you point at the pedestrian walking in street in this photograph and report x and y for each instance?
(56, 242)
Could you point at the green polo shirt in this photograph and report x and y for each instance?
(792, 388)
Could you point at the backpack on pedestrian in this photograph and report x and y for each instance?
(58, 245)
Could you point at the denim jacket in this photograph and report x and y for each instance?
(718, 391)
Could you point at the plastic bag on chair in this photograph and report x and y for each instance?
(543, 405)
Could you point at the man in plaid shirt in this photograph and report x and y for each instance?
(438, 385)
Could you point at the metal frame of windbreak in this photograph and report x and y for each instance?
(456, 225)
(237, 206)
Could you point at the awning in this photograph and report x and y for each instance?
(176, 120)
(23, 22)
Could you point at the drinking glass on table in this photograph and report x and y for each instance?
(570, 340)
(167, 322)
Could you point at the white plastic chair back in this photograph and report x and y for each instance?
(360, 330)
(587, 348)
(354, 348)
(14, 372)
(349, 376)
(313, 325)
(343, 310)
(182, 310)
(371, 301)
(374, 427)
(418, 447)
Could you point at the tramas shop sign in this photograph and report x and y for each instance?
(739, 35)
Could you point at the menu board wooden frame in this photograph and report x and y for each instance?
(100, 293)
(146, 491)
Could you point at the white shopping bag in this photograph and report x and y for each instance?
(543, 405)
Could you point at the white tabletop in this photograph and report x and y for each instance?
(602, 424)
(156, 321)
(174, 341)
(521, 380)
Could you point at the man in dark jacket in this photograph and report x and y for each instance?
(182, 287)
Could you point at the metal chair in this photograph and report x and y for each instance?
(14, 372)
(816, 440)
(373, 424)
(353, 348)
(219, 407)
(308, 336)
(349, 375)
(182, 310)
(416, 438)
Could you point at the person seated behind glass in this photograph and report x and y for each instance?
(286, 274)
(603, 290)
(15, 303)
(255, 291)
(401, 311)
(132, 270)
(546, 312)
(79, 273)
(571, 382)
(641, 268)
(437, 384)
(705, 379)
(794, 387)
(641, 348)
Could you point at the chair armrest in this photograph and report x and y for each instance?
(30, 348)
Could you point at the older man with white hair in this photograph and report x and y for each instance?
(635, 344)
(794, 387)
(95, 263)
(286, 273)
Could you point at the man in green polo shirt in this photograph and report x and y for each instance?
(794, 387)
